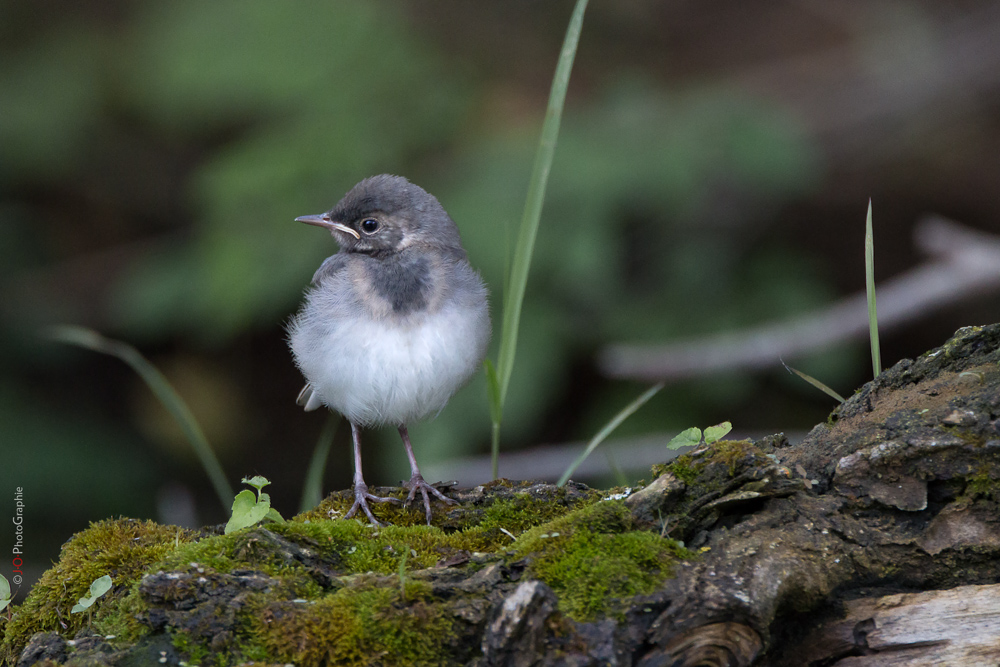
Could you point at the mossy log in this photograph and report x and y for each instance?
(874, 541)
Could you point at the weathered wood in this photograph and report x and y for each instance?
(874, 541)
(958, 627)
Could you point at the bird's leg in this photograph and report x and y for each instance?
(361, 495)
(417, 482)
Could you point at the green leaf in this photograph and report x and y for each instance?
(246, 511)
(100, 586)
(717, 432)
(257, 481)
(275, 516)
(688, 438)
(4, 592)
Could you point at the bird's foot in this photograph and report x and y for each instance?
(417, 483)
(361, 498)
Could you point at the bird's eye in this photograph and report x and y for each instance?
(369, 226)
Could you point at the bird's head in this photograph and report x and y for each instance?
(386, 214)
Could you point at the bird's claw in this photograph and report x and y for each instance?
(417, 483)
(361, 498)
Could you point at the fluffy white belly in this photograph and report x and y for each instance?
(375, 372)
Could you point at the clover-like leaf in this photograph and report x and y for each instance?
(257, 481)
(4, 592)
(246, 511)
(717, 432)
(687, 438)
(98, 587)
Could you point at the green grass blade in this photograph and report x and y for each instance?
(514, 292)
(870, 287)
(312, 492)
(615, 422)
(496, 414)
(154, 379)
(816, 383)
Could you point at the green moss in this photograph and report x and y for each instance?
(120, 617)
(194, 652)
(683, 468)
(215, 552)
(502, 503)
(362, 624)
(592, 557)
(732, 452)
(356, 547)
(981, 485)
(331, 569)
(967, 436)
(121, 548)
(336, 505)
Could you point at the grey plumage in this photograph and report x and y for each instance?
(395, 322)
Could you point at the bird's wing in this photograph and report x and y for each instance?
(330, 266)
(308, 398)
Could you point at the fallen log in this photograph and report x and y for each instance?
(874, 541)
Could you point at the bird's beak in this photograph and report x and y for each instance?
(325, 222)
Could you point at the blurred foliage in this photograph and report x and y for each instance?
(74, 468)
(328, 94)
(202, 129)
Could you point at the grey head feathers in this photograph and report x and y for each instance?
(389, 214)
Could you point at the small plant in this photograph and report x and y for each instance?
(99, 587)
(249, 510)
(4, 594)
(693, 436)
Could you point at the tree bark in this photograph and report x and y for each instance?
(874, 541)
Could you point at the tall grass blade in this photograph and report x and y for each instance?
(816, 383)
(312, 492)
(496, 413)
(608, 428)
(870, 287)
(154, 379)
(514, 292)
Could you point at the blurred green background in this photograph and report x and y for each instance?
(713, 171)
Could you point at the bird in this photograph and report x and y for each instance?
(393, 324)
